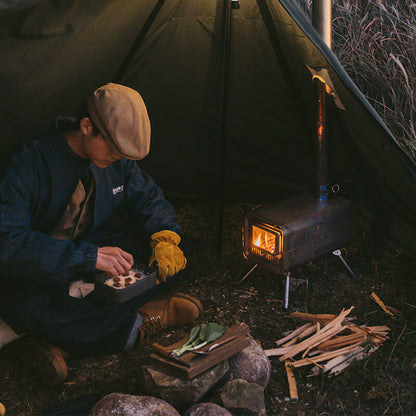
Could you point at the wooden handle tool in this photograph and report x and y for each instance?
(164, 352)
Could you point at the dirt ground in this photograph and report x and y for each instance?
(382, 384)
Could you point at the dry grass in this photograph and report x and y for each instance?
(375, 42)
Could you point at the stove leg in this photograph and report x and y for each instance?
(287, 285)
(338, 253)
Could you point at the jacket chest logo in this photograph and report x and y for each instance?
(118, 189)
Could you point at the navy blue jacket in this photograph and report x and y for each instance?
(35, 188)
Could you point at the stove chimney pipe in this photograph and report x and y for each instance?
(322, 21)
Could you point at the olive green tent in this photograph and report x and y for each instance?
(229, 93)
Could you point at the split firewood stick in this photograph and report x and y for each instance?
(293, 334)
(293, 390)
(378, 329)
(314, 362)
(357, 328)
(329, 334)
(286, 347)
(338, 320)
(325, 356)
(291, 342)
(323, 318)
(325, 333)
(358, 354)
(355, 357)
(302, 335)
(277, 351)
(381, 304)
(341, 341)
(313, 340)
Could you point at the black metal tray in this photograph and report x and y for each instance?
(120, 295)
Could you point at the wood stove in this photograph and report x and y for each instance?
(281, 235)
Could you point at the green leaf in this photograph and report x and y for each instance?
(215, 331)
(200, 336)
(193, 336)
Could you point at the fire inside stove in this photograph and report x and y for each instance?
(266, 242)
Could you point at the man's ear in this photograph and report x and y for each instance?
(85, 126)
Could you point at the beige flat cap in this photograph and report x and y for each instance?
(120, 114)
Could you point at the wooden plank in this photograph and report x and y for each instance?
(197, 363)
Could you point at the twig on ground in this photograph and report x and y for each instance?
(395, 345)
(381, 304)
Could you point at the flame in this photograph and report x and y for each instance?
(264, 240)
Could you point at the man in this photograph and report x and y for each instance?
(59, 195)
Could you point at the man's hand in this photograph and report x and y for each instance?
(113, 260)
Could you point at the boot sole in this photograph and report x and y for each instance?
(51, 366)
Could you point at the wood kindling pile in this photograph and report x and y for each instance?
(328, 342)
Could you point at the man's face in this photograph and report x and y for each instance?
(100, 152)
(95, 148)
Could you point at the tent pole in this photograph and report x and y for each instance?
(279, 52)
(137, 43)
(223, 107)
(322, 21)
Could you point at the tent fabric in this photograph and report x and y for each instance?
(55, 53)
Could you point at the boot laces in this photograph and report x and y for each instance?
(152, 325)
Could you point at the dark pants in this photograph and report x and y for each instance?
(82, 325)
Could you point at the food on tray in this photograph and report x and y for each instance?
(125, 279)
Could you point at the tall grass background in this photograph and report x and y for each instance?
(375, 41)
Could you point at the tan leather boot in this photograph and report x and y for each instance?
(50, 362)
(179, 309)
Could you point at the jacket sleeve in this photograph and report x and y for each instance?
(24, 250)
(145, 204)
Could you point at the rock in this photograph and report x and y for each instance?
(207, 409)
(242, 398)
(250, 364)
(181, 392)
(117, 404)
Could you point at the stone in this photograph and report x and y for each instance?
(207, 409)
(242, 398)
(182, 392)
(250, 364)
(118, 404)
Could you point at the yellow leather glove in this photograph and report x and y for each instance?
(166, 254)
